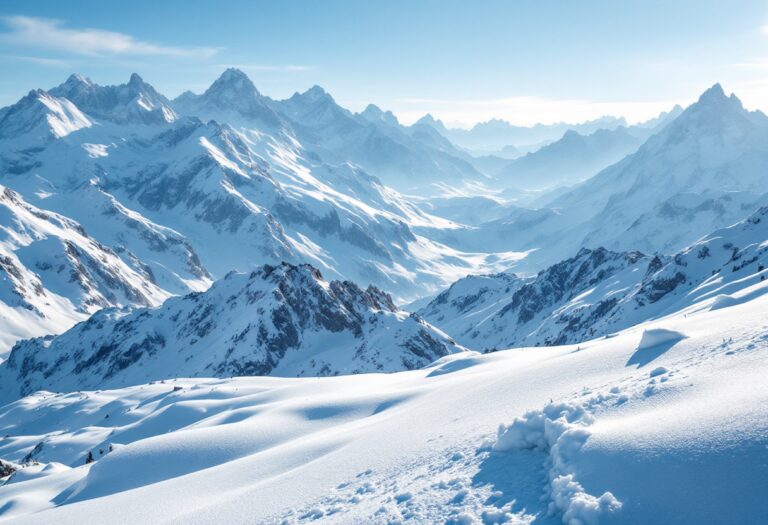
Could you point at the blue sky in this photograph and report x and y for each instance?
(525, 61)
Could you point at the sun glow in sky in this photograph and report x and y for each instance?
(463, 62)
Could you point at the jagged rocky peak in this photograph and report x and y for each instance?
(231, 97)
(231, 84)
(374, 113)
(283, 320)
(714, 103)
(133, 102)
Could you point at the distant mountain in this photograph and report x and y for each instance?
(278, 320)
(496, 134)
(598, 291)
(573, 158)
(231, 98)
(702, 171)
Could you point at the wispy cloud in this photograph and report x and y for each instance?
(44, 33)
(44, 61)
(287, 68)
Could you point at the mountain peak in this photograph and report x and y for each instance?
(715, 96)
(78, 79)
(374, 113)
(135, 80)
(316, 93)
(233, 83)
(713, 93)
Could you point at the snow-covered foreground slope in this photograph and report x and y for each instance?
(638, 428)
(278, 320)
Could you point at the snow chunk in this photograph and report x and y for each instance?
(657, 336)
(559, 430)
(723, 301)
(658, 371)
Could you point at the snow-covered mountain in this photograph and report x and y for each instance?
(702, 171)
(133, 103)
(278, 320)
(598, 291)
(188, 200)
(53, 274)
(496, 134)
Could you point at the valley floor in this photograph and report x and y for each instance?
(673, 430)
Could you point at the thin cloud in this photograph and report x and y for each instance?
(47, 33)
(44, 61)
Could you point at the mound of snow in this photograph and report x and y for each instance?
(559, 430)
(656, 336)
(723, 301)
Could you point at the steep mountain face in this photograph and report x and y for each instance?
(701, 172)
(598, 291)
(53, 274)
(135, 102)
(468, 301)
(41, 116)
(408, 159)
(278, 320)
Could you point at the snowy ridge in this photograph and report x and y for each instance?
(42, 116)
(279, 320)
(598, 291)
(133, 103)
(183, 201)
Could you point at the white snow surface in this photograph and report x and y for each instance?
(588, 435)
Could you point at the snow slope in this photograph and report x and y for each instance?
(53, 274)
(284, 321)
(607, 432)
